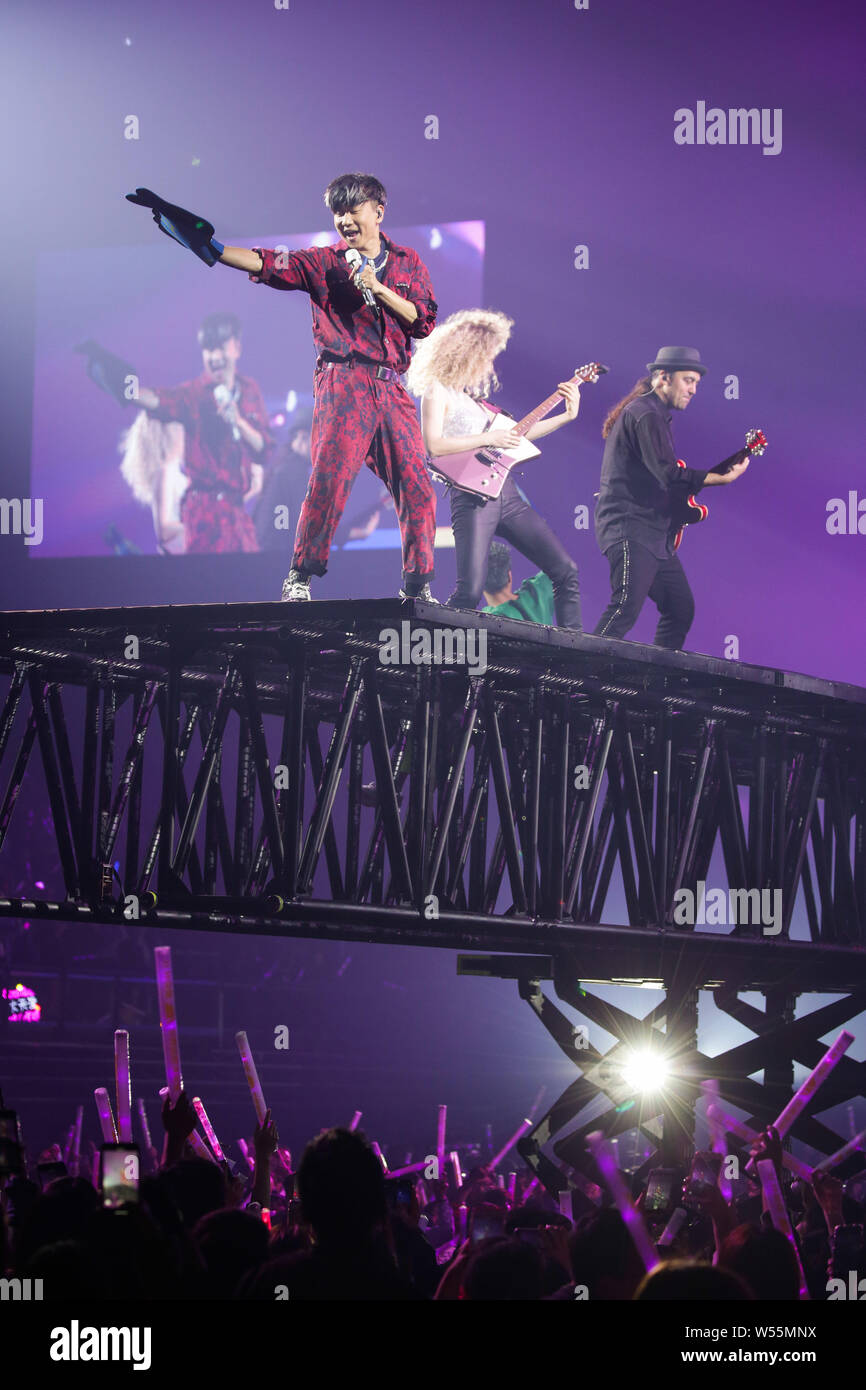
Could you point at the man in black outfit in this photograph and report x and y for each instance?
(640, 482)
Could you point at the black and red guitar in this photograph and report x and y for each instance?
(688, 512)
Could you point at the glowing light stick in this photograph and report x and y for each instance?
(409, 1168)
(814, 1080)
(674, 1226)
(199, 1147)
(440, 1138)
(122, 1086)
(751, 1136)
(841, 1154)
(106, 1119)
(779, 1213)
(603, 1155)
(381, 1157)
(252, 1076)
(209, 1130)
(76, 1143)
(518, 1134)
(67, 1147)
(356, 1120)
(717, 1137)
(242, 1145)
(531, 1188)
(145, 1129)
(168, 1020)
(454, 1160)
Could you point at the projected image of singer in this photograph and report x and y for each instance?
(226, 440)
(370, 298)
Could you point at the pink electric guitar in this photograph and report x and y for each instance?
(484, 471)
(688, 512)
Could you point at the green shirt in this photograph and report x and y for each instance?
(533, 602)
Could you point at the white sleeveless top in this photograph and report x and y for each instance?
(463, 415)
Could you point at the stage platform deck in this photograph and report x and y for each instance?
(297, 769)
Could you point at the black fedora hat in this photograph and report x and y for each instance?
(677, 359)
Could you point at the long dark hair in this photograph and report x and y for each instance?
(640, 388)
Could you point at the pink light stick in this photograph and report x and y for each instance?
(356, 1120)
(122, 1086)
(717, 1136)
(409, 1168)
(440, 1138)
(814, 1080)
(734, 1126)
(454, 1160)
(76, 1143)
(381, 1157)
(67, 1147)
(841, 1154)
(209, 1130)
(531, 1188)
(242, 1145)
(603, 1155)
(106, 1119)
(168, 1020)
(518, 1134)
(145, 1129)
(252, 1076)
(199, 1147)
(779, 1213)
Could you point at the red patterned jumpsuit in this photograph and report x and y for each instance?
(357, 417)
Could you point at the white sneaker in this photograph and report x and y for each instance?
(295, 588)
(425, 595)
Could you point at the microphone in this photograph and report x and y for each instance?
(353, 259)
(222, 395)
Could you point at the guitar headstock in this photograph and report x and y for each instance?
(755, 441)
(591, 371)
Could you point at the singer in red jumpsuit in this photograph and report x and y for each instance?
(362, 413)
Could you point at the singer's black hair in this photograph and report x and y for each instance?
(216, 329)
(349, 190)
(498, 568)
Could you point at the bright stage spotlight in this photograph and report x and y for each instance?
(646, 1071)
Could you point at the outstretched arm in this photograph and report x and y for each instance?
(239, 258)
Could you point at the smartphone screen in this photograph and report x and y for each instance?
(705, 1172)
(485, 1222)
(659, 1190)
(120, 1165)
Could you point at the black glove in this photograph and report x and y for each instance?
(186, 228)
(108, 372)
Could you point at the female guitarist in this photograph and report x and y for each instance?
(452, 371)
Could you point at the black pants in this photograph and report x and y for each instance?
(635, 575)
(476, 521)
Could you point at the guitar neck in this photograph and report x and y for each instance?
(525, 425)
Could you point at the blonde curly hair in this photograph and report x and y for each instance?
(146, 447)
(458, 353)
